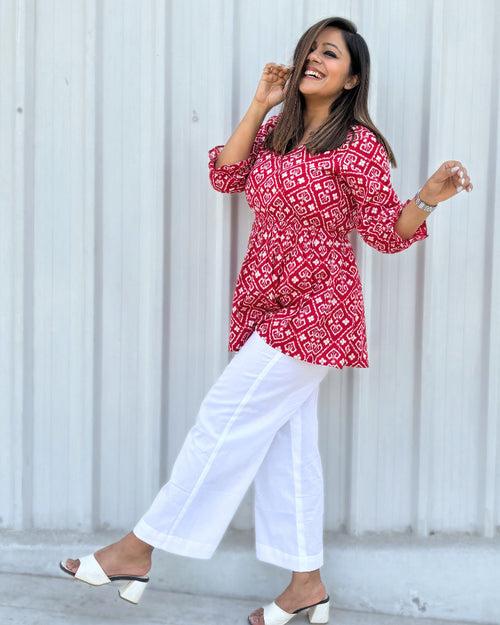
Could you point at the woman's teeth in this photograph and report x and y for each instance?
(313, 75)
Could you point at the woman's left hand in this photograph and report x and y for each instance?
(447, 181)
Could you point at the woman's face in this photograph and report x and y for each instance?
(330, 57)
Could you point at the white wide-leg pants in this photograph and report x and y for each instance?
(257, 423)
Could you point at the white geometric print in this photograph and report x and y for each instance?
(299, 286)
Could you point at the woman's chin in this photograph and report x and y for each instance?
(307, 89)
(308, 85)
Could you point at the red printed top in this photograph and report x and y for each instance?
(299, 286)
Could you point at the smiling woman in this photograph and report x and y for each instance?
(327, 63)
(312, 173)
(309, 184)
(319, 111)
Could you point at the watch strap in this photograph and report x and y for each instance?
(423, 205)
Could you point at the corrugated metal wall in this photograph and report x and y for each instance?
(118, 259)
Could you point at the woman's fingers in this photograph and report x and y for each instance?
(276, 70)
(461, 178)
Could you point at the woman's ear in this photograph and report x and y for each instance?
(352, 82)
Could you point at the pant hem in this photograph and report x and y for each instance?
(265, 553)
(173, 544)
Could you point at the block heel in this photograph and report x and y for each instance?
(132, 590)
(320, 613)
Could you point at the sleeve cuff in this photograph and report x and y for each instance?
(420, 233)
(231, 177)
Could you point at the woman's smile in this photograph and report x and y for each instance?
(313, 77)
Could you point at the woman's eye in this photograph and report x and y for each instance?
(329, 53)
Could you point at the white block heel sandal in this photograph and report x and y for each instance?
(317, 613)
(91, 571)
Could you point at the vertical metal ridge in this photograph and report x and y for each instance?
(24, 184)
(163, 449)
(489, 512)
(428, 371)
(97, 43)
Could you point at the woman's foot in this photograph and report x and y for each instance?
(128, 556)
(304, 589)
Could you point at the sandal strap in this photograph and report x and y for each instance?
(313, 605)
(91, 571)
(274, 615)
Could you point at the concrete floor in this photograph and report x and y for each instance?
(44, 600)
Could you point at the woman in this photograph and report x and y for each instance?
(311, 174)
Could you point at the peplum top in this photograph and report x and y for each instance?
(298, 286)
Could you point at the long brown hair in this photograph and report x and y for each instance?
(349, 108)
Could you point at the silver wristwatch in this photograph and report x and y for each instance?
(421, 204)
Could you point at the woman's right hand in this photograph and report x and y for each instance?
(272, 85)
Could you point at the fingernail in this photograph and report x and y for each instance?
(459, 189)
(453, 169)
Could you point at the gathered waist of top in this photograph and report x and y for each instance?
(265, 232)
(315, 254)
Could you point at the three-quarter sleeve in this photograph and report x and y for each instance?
(231, 178)
(365, 167)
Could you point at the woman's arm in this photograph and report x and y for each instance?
(376, 208)
(411, 218)
(232, 177)
(239, 145)
(230, 164)
(448, 180)
(270, 92)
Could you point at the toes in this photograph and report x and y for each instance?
(257, 617)
(72, 565)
